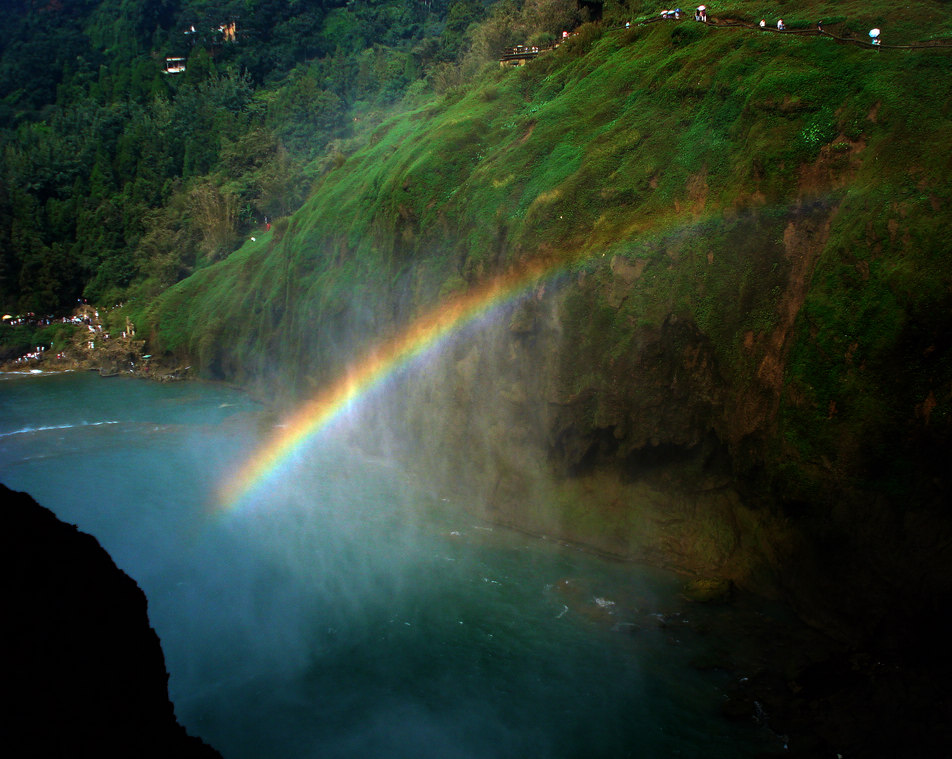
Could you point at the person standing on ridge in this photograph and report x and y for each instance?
(763, 23)
(780, 26)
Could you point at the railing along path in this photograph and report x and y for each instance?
(525, 52)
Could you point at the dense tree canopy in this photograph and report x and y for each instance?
(117, 178)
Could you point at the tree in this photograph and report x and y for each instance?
(214, 214)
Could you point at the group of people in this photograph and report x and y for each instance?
(873, 33)
(782, 27)
(35, 355)
(700, 14)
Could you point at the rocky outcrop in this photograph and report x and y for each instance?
(83, 672)
(574, 418)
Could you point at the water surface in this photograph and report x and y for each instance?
(346, 610)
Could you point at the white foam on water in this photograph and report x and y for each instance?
(47, 428)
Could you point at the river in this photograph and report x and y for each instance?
(346, 611)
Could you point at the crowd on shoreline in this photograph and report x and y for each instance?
(90, 347)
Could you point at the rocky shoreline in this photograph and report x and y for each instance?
(92, 347)
(816, 694)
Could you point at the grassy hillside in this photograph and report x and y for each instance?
(118, 178)
(785, 193)
(745, 368)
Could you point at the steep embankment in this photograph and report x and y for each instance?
(83, 670)
(741, 363)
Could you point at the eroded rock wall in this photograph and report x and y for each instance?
(571, 415)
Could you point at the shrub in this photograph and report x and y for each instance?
(685, 34)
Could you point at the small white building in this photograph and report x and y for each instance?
(174, 66)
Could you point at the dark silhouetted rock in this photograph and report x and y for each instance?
(83, 671)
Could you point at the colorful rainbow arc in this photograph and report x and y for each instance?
(422, 335)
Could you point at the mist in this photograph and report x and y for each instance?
(375, 610)
(349, 606)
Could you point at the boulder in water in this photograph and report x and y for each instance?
(708, 590)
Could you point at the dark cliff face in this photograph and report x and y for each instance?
(650, 448)
(83, 671)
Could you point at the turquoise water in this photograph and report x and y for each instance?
(346, 611)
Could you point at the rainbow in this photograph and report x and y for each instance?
(421, 336)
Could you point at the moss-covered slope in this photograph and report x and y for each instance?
(746, 369)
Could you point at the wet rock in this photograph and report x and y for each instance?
(708, 590)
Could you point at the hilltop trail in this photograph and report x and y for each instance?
(731, 23)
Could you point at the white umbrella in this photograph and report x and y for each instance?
(874, 32)
(702, 7)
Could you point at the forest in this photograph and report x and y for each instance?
(120, 179)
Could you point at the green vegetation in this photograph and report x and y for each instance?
(782, 193)
(117, 179)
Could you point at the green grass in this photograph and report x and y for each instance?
(691, 149)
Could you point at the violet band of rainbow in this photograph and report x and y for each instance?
(422, 335)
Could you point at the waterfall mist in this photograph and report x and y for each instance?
(354, 604)
(472, 417)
